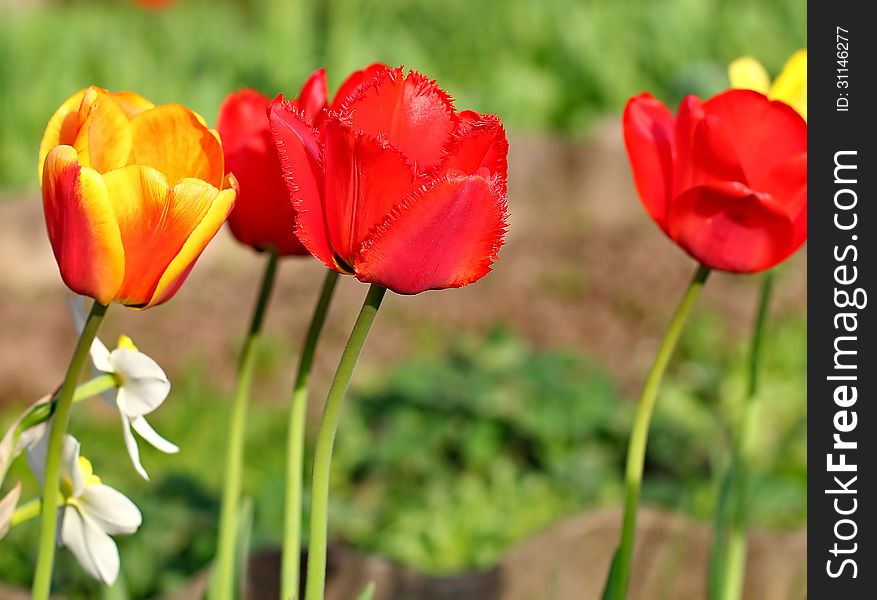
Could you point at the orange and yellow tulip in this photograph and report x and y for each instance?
(132, 193)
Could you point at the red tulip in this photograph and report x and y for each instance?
(395, 186)
(263, 216)
(726, 179)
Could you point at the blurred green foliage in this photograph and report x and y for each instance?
(453, 456)
(547, 65)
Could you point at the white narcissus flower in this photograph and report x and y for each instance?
(143, 386)
(90, 512)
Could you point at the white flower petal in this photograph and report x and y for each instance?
(100, 356)
(144, 384)
(109, 509)
(131, 445)
(152, 437)
(7, 508)
(93, 548)
(37, 451)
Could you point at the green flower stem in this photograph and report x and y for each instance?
(728, 558)
(41, 412)
(291, 560)
(636, 450)
(42, 582)
(326, 439)
(27, 511)
(95, 387)
(224, 583)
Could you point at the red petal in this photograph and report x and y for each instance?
(356, 79)
(787, 185)
(412, 113)
(765, 133)
(479, 143)
(688, 118)
(712, 158)
(367, 178)
(299, 153)
(314, 95)
(648, 135)
(731, 228)
(263, 216)
(82, 226)
(445, 235)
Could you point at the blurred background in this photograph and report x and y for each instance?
(486, 429)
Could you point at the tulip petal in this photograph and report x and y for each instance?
(82, 227)
(132, 104)
(748, 74)
(731, 228)
(368, 179)
(144, 384)
(765, 133)
(446, 235)
(649, 137)
(314, 95)
(241, 123)
(791, 84)
(109, 509)
(787, 185)
(95, 551)
(145, 430)
(479, 142)
(351, 85)
(193, 197)
(103, 140)
(263, 215)
(172, 139)
(140, 201)
(63, 123)
(712, 157)
(299, 153)
(688, 119)
(412, 113)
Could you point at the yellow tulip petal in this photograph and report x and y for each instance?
(139, 197)
(65, 118)
(133, 104)
(94, 122)
(748, 74)
(219, 205)
(82, 227)
(172, 139)
(103, 141)
(791, 84)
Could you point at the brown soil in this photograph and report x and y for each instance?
(567, 562)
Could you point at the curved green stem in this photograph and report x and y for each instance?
(224, 583)
(636, 450)
(43, 411)
(42, 582)
(326, 440)
(728, 558)
(291, 558)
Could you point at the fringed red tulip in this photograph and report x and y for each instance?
(393, 185)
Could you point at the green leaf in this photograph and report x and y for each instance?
(611, 591)
(368, 593)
